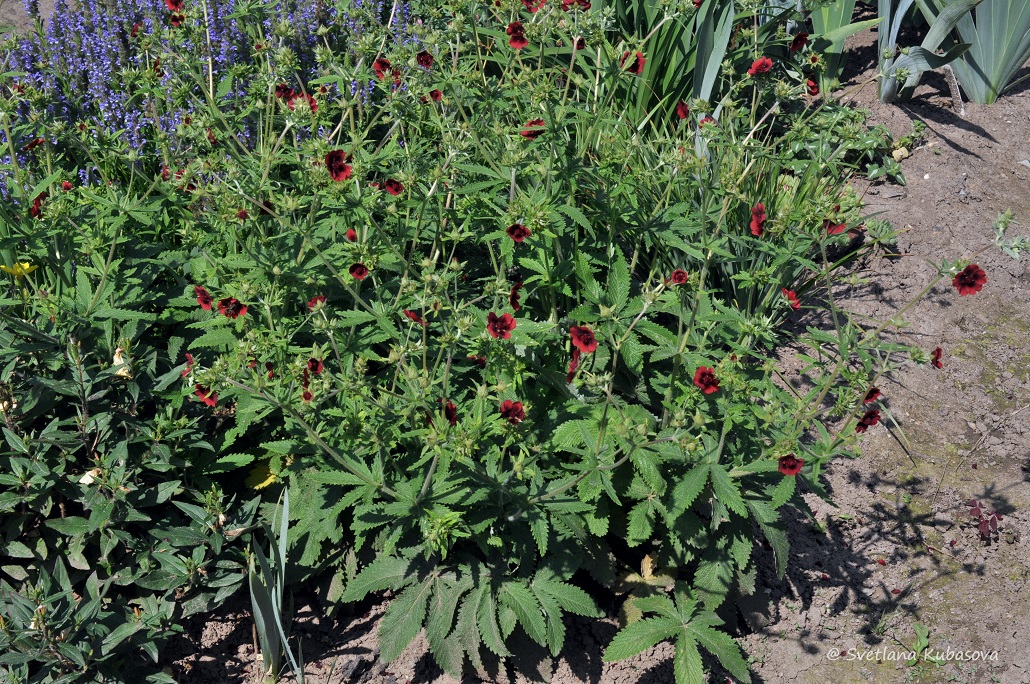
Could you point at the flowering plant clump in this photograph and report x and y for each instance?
(486, 323)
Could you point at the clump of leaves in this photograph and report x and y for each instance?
(985, 519)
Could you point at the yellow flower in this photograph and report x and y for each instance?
(260, 476)
(19, 270)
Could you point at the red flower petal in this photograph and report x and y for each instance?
(705, 379)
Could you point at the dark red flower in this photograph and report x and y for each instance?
(533, 5)
(205, 395)
(705, 379)
(935, 358)
(799, 42)
(33, 143)
(135, 30)
(306, 396)
(394, 187)
(813, 59)
(211, 137)
(512, 411)
(166, 173)
(567, 5)
(636, 67)
(316, 301)
(424, 59)
(189, 365)
(872, 395)
(382, 67)
(500, 326)
(270, 368)
(478, 360)
(283, 91)
(242, 214)
(813, 87)
(532, 129)
(791, 465)
(698, 3)
(312, 103)
(707, 120)
(450, 412)
(315, 366)
(252, 364)
(516, 35)
(682, 110)
(583, 339)
(435, 95)
(758, 217)
(871, 418)
(414, 317)
(679, 277)
(230, 307)
(792, 298)
(36, 210)
(970, 280)
(174, 5)
(513, 296)
(762, 65)
(336, 162)
(834, 228)
(518, 232)
(351, 235)
(573, 364)
(176, 19)
(358, 271)
(581, 44)
(203, 298)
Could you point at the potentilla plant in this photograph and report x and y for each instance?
(488, 328)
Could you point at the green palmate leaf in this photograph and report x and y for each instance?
(403, 620)
(720, 644)
(385, 572)
(640, 636)
(526, 607)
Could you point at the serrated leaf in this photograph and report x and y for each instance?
(723, 647)
(486, 619)
(216, 337)
(641, 523)
(714, 577)
(686, 662)
(526, 608)
(688, 488)
(403, 620)
(385, 572)
(726, 490)
(570, 598)
(640, 636)
(784, 490)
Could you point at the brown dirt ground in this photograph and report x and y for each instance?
(954, 433)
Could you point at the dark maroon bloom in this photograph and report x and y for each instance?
(230, 307)
(581, 44)
(512, 411)
(174, 5)
(970, 280)
(532, 129)
(636, 67)
(203, 298)
(382, 67)
(242, 214)
(205, 395)
(513, 296)
(518, 232)
(450, 412)
(872, 395)
(312, 103)
(337, 164)
(698, 3)
(813, 87)
(516, 35)
(135, 30)
(414, 317)
(33, 143)
(762, 65)
(36, 210)
(682, 110)
(573, 365)
(351, 235)
(500, 326)
(533, 5)
(790, 465)
(315, 366)
(799, 42)
(252, 364)
(705, 379)
(792, 298)
(316, 301)
(306, 396)
(478, 360)
(679, 277)
(758, 217)
(435, 95)
(211, 138)
(871, 418)
(176, 19)
(834, 228)
(283, 91)
(189, 365)
(394, 187)
(707, 120)
(935, 358)
(270, 369)
(583, 339)
(567, 5)
(424, 59)
(66, 186)
(358, 271)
